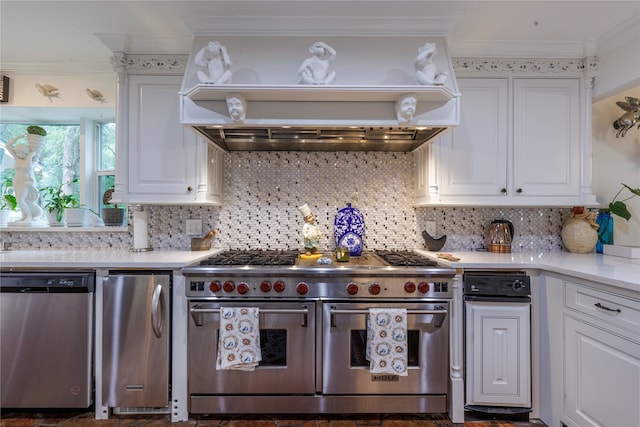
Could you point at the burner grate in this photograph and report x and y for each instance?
(405, 258)
(253, 257)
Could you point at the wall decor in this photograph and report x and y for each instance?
(4, 89)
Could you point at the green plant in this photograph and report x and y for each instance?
(36, 130)
(55, 200)
(8, 199)
(619, 207)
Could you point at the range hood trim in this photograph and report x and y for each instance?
(391, 93)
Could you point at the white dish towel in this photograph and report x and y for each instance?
(387, 341)
(239, 343)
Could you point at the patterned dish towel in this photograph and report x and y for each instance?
(239, 345)
(387, 341)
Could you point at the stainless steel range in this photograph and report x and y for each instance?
(313, 333)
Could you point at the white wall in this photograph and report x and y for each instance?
(615, 161)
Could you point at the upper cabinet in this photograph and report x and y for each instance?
(160, 161)
(522, 142)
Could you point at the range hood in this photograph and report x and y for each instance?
(357, 112)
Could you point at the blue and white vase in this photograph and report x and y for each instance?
(605, 232)
(349, 229)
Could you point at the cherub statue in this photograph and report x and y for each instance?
(215, 58)
(237, 107)
(406, 108)
(426, 71)
(315, 70)
(310, 230)
(24, 182)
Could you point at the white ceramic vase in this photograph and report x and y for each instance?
(74, 217)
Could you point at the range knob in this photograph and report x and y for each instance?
(302, 288)
(423, 287)
(374, 289)
(278, 286)
(243, 288)
(215, 286)
(517, 285)
(229, 286)
(352, 288)
(409, 287)
(265, 286)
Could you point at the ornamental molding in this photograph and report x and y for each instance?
(525, 66)
(166, 64)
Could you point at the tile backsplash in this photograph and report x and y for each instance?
(264, 189)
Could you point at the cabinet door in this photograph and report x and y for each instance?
(602, 377)
(546, 137)
(498, 353)
(162, 153)
(473, 156)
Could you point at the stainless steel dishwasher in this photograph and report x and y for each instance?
(136, 341)
(46, 338)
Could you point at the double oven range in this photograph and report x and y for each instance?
(313, 332)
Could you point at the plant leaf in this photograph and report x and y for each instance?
(635, 191)
(620, 208)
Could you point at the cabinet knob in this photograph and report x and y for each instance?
(519, 190)
(189, 188)
(503, 191)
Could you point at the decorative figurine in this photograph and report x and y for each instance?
(310, 230)
(237, 107)
(426, 71)
(24, 181)
(406, 108)
(215, 58)
(315, 70)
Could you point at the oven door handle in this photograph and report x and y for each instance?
(439, 311)
(197, 311)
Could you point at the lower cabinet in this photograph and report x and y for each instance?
(498, 354)
(602, 358)
(595, 354)
(602, 376)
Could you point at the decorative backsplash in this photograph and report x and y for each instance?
(264, 189)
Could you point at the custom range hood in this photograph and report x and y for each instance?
(359, 110)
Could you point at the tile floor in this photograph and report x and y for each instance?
(82, 419)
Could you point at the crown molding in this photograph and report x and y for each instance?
(140, 64)
(524, 66)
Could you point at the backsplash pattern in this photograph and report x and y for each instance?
(264, 189)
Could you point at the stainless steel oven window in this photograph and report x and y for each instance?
(358, 348)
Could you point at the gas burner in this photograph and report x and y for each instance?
(405, 258)
(253, 257)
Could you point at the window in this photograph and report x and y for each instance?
(85, 151)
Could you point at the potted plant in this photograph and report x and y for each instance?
(112, 215)
(35, 138)
(605, 220)
(8, 200)
(56, 203)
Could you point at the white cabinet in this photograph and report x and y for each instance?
(498, 354)
(164, 162)
(602, 358)
(519, 143)
(590, 335)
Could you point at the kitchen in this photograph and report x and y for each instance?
(262, 192)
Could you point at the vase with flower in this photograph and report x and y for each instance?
(605, 220)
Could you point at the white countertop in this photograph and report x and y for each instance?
(100, 258)
(611, 270)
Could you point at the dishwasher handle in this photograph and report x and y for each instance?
(157, 311)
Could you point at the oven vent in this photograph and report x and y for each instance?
(319, 139)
